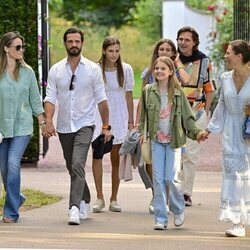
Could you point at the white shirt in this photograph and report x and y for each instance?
(77, 106)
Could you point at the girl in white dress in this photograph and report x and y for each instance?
(228, 120)
(119, 81)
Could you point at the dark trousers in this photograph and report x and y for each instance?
(75, 150)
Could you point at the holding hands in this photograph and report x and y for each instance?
(203, 135)
(48, 130)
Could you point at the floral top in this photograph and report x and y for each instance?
(163, 134)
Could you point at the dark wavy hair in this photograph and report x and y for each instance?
(241, 47)
(195, 35)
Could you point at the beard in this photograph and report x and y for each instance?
(74, 51)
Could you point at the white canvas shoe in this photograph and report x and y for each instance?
(98, 205)
(179, 219)
(237, 230)
(160, 226)
(74, 218)
(85, 209)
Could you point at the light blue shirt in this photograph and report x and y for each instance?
(19, 101)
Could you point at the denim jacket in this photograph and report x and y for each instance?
(182, 121)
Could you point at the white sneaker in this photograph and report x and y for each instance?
(114, 207)
(74, 218)
(84, 210)
(151, 207)
(179, 219)
(237, 230)
(98, 206)
(160, 226)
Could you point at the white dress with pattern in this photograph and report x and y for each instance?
(228, 119)
(116, 96)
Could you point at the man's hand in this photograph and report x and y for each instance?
(48, 130)
(107, 135)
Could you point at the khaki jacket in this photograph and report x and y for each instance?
(182, 121)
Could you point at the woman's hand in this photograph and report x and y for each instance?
(247, 109)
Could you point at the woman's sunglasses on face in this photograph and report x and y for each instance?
(18, 47)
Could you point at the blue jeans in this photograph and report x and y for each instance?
(11, 152)
(166, 167)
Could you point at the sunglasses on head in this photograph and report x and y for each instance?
(19, 47)
(73, 79)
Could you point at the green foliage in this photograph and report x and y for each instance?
(148, 18)
(223, 35)
(104, 13)
(222, 11)
(200, 4)
(21, 16)
(134, 49)
(35, 199)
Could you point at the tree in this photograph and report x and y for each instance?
(109, 13)
(15, 17)
(148, 18)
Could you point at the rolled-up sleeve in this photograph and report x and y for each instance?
(99, 88)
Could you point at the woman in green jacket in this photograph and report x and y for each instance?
(169, 121)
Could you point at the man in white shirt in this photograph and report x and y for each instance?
(77, 84)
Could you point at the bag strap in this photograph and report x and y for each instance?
(145, 120)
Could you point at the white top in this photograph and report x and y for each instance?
(118, 112)
(228, 119)
(77, 106)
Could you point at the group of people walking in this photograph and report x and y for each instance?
(96, 98)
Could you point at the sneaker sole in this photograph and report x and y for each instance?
(160, 228)
(178, 225)
(74, 222)
(229, 234)
(95, 210)
(115, 210)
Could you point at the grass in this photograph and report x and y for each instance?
(35, 199)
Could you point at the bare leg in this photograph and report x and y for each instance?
(114, 155)
(97, 173)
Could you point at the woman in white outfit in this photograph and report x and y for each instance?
(228, 120)
(119, 81)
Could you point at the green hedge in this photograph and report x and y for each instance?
(21, 16)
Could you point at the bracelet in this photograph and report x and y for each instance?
(130, 122)
(42, 124)
(105, 126)
(180, 67)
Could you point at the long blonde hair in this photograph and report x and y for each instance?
(173, 81)
(7, 40)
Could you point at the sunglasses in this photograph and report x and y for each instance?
(73, 79)
(19, 47)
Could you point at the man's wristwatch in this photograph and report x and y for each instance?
(42, 124)
(105, 126)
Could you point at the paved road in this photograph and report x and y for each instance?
(46, 227)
